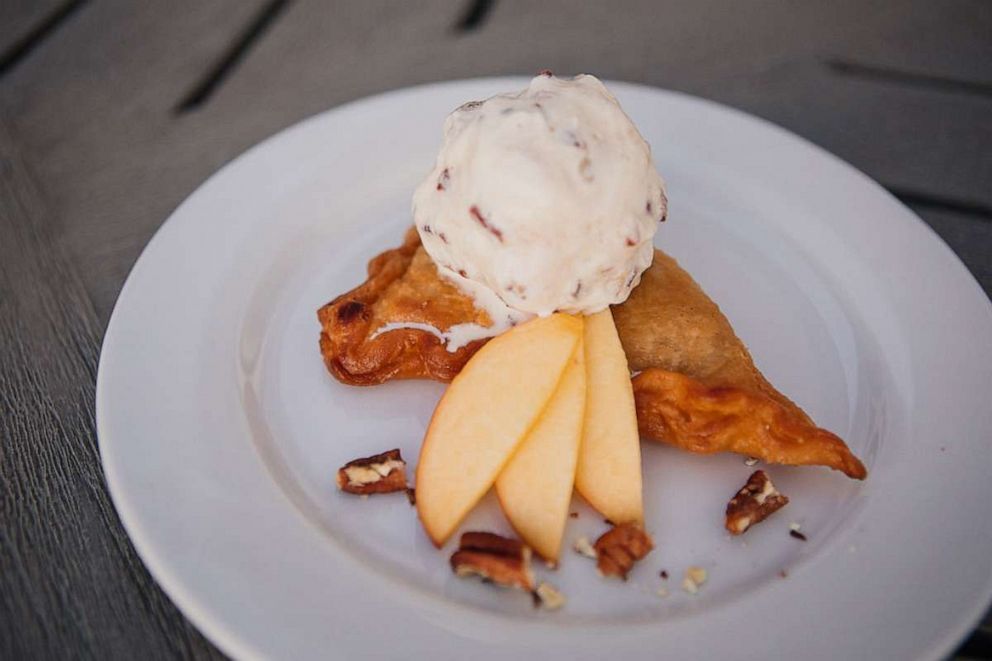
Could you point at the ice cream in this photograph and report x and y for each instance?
(545, 199)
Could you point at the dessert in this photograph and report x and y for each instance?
(671, 332)
(530, 281)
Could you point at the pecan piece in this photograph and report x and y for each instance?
(381, 473)
(619, 548)
(755, 502)
(479, 218)
(495, 559)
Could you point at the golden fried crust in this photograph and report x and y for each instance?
(669, 322)
(698, 388)
(403, 286)
(680, 410)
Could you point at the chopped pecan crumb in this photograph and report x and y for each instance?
(573, 515)
(693, 579)
(381, 473)
(755, 502)
(798, 535)
(663, 574)
(583, 547)
(618, 549)
(549, 597)
(545, 72)
(411, 495)
(501, 560)
(631, 242)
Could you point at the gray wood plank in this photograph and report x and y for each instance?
(71, 585)
(93, 113)
(19, 17)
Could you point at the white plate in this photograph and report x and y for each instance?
(221, 432)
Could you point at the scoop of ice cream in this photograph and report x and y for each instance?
(547, 197)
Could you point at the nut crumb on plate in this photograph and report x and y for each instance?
(381, 473)
(693, 579)
(500, 560)
(619, 548)
(583, 547)
(753, 503)
(549, 597)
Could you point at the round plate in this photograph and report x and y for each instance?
(221, 432)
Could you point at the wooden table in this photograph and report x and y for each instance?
(113, 111)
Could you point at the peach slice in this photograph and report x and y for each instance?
(609, 470)
(535, 487)
(485, 413)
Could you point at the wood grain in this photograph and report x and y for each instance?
(71, 585)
